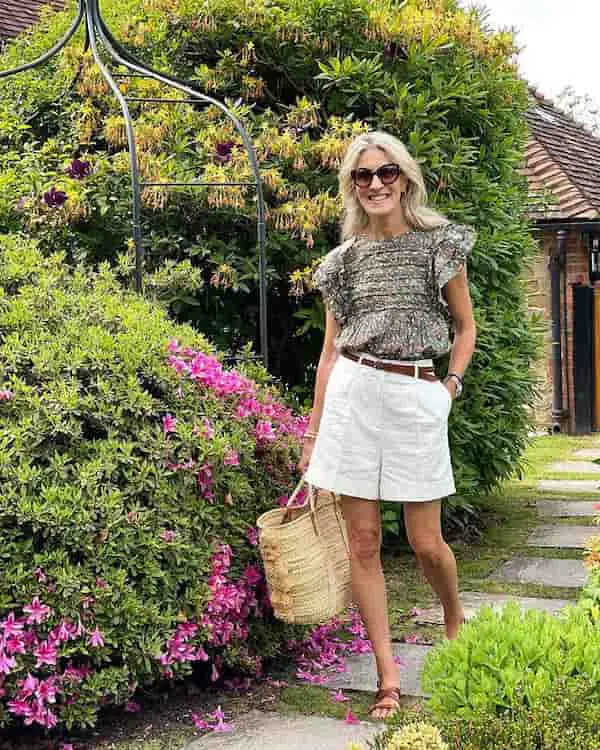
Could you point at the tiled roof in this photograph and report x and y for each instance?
(18, 15)
(562, 158)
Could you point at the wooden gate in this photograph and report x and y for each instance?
(583, 358)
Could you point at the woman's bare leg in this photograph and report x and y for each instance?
(363, 522)
(424, 531)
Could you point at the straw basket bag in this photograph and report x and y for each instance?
(306, 559)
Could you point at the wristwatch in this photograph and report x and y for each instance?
(458, 380)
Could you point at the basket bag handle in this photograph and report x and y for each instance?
(312, 501)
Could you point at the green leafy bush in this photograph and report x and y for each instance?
(503, 661)
(567, 719)
(305, 76)
(133, 467)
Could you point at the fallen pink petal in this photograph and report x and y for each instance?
(350, 718)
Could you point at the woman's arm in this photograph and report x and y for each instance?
(465, 332)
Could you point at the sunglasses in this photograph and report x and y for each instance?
(387, 173)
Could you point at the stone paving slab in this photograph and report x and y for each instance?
(587, 453)
(570, 485)
(563, 537)
(362, 673)
(473, 601)
(582, 467)
(567, 508)
(258, 730)
(544, 571)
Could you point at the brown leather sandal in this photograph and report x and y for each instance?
(380, 700)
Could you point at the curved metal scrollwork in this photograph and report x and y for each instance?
(98, 34)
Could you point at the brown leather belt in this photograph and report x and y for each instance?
(426, 373)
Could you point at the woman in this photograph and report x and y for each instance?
(378, 431)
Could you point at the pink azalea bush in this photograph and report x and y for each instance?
(133, 469)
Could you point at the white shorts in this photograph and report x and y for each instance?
(383, 436)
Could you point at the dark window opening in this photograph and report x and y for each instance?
(594, 248)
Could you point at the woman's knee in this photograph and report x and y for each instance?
(428, 550)
(365, 543)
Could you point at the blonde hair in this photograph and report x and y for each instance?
(414, 202)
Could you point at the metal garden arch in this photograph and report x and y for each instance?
(97, 34)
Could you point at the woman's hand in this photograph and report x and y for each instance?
(450, 386)
(306, 454)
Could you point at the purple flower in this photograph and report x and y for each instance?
(169, 424)
(132, 707)
(37, 612)
(224, 150)
(232, 458)
(252, 535)
(200, 723)
(79, 169)
(55, 198)
(264, 431)
(46, 654)
(96, 639)
(7, 663)
(168, 535)
(338, 696)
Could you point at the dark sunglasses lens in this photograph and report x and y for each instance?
(363, 177)
(388, 173)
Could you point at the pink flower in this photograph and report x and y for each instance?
(253, 575)
(40, 575)
(67, 746)
(219, 717)
(206, 431)
(169, 424)
(264, 431)
(231, 458)
(350, 718)
(252, 535)
(200, 723)
(168, 535)
(597, 506)
(173, 346)
(338, 696)
(132, 707)
(7, 663)
(411, 638)
(214, 675)
(12, 626)
(46, 654)
(6, 395)
(101, 583)
(28, 686)
(96, 639)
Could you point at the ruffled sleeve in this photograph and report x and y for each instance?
(328, 278)
(453, 246)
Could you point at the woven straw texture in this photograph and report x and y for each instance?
(306, 560)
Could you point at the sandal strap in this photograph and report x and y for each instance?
(391, 692)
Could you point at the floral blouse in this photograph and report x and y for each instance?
(387, 294)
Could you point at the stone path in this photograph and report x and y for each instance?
(575, 466)
(562, 537)
(473, 601)
(544, 571)
(258, 730)
(565, 486)
(567, 508)
(362, 673)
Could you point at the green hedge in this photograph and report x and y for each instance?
(133, 468)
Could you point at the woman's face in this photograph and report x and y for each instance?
(378, 199)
